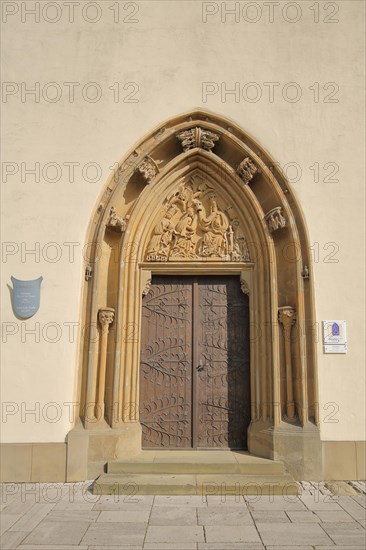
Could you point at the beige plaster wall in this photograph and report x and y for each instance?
(162, 53)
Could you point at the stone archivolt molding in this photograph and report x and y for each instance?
(197, 137)
(194, 227)
(275, 219)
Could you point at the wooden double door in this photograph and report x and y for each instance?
(194, 375)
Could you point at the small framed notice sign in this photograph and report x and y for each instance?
(334, 336)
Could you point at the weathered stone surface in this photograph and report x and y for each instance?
(292, 534)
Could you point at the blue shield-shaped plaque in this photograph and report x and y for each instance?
(26, 297)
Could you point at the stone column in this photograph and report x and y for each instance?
(105, 318)
(287, 317)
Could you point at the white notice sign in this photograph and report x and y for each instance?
(334, 336)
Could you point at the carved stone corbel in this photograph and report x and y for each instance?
(146, 279)
(287, 318)
(246, 170)
(197, 137)
(105, 318)
(115, 222)
(244, 285)
(148, 168)
(275, 219)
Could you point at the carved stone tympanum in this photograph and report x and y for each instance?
(275, 219)
(197, 137)
(246, 170)
(193, 226)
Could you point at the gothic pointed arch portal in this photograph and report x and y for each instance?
(200, 196)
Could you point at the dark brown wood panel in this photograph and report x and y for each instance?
(194, 381)
(166, 364)
(223, 389)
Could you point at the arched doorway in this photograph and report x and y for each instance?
(198, 198)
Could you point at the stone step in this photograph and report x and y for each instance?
(195, 484)
(259, 467)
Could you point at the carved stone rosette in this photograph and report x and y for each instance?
(194, 227)
(246, 170)
(148, 168)
(197, 137)
(116, 222)
(287, 318)
(105, 318)
(275, 219)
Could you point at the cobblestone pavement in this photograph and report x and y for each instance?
(68, 517)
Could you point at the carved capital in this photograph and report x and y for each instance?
(116, 222)
(105, 317)
(197, 137)
(275, 219)
(148, 168)
(246, 170)
(287, 317)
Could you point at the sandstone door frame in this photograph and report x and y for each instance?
(277, 277)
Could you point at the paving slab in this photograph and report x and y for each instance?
(352, 507)
(293, 534)
(11, 540)
(72, 515)
(224, 516)
(274, 503)
(328, 516)
(130, 516)
(7, 520)
(272, 516)
(226, 500)
(170, 546)
(51, 547)
(124, 502)
(173, 515)
(305, 517)
(174, 533)
(231, 533)
(321, 502)
(115, 534)
(230, 546)
(347, 534)
(186, 500)
(65, 532)
(32, 518)
(292, 547)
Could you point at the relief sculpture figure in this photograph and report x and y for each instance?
(194, 227)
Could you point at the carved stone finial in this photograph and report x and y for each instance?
(197, 137)
(287, 316)
(148, 168)
(116, 222)
(275, 219)
(105, 317)
(246, 170)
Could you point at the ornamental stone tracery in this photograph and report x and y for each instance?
(194, 227)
